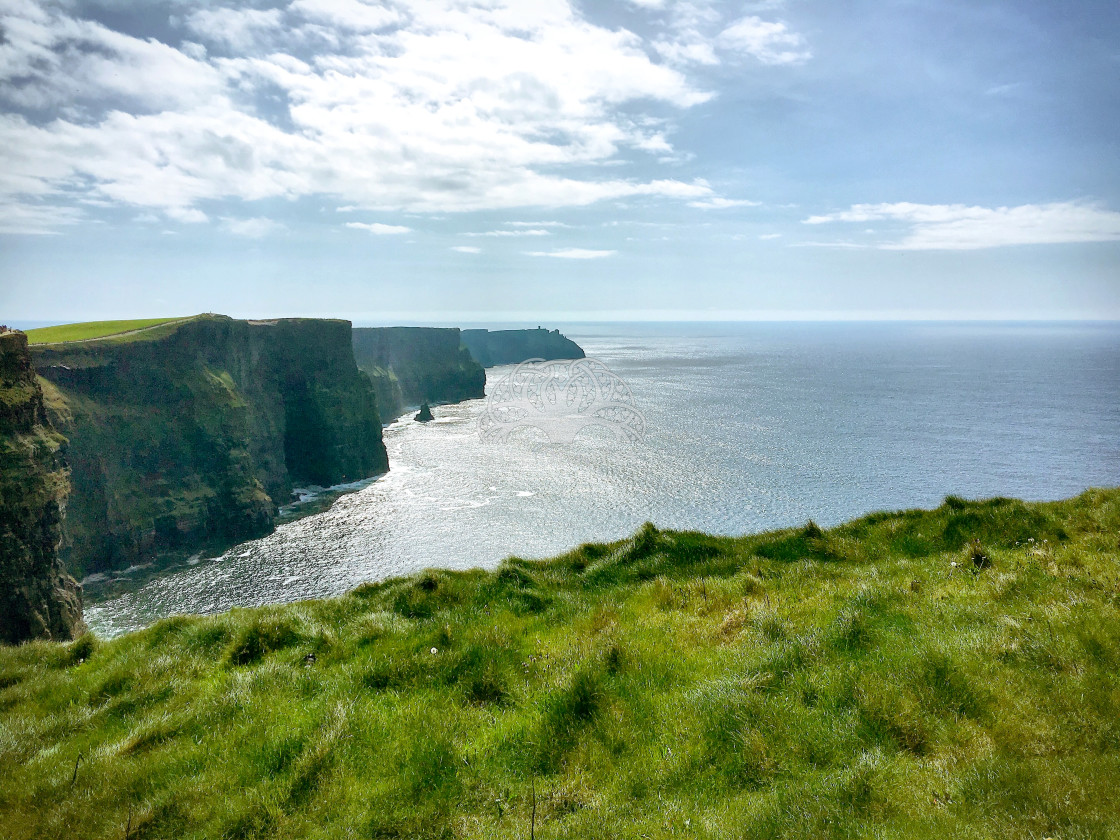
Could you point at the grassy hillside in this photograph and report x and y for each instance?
(948, 673)
(93, 329)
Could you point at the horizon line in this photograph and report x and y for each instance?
(691, 318)
(618, 317)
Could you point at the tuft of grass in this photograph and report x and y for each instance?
(82, 648)
(813, 682)
(267, 633)
(977, 556)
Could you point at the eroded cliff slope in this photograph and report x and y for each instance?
(37, 599)
(189, 440)
(413, 365)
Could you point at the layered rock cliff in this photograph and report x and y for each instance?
(511, 347)
(37, 599)
(189, 441)
(412, 365)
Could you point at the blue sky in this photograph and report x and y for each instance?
(472, 160)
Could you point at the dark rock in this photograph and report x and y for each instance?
(424, 415)
(38, 600)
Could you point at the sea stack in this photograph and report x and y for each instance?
(425, 414)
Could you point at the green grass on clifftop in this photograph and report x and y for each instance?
(945, 673)
(93, 329)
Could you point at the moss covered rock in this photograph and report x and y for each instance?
(37, 599)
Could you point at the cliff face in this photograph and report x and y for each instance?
(190, 441)
(511, 347)
(411, 365)
(37, 600)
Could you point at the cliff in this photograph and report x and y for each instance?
(188, 437)
(511, 347)
(37, 600)
(411, 365)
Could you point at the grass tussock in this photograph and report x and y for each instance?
(944, 673)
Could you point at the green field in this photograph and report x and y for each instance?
(91, 329)
(945, 673)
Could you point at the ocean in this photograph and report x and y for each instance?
(747, 427)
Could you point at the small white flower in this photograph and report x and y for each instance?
(954, 564)
(435, 651)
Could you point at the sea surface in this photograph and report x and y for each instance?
(747, 427)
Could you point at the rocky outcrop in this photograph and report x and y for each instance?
(190, 440)
(424, 415)
(411, 365)
(37, 599)
(511, 347)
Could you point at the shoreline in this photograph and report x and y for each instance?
(100, 587)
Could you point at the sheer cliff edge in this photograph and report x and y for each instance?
(37, 599)
(186, 437)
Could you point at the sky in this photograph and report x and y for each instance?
(413, 161)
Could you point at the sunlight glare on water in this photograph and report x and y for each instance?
(748, 427)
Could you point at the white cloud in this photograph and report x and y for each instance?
(519, 232)
(407, 105)
(50, 60)
(958, 227)
(36, 219)
(254, 228)
(771, 42)
(348, 14)
(238, 29)
(537, 224)
(573, 254)
(186, 215)
(1009, 89)
(466, 249)
(193, 49)
(379, 229)
(768, 236)
(716, 203)
(690, 39)
(692, 48)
